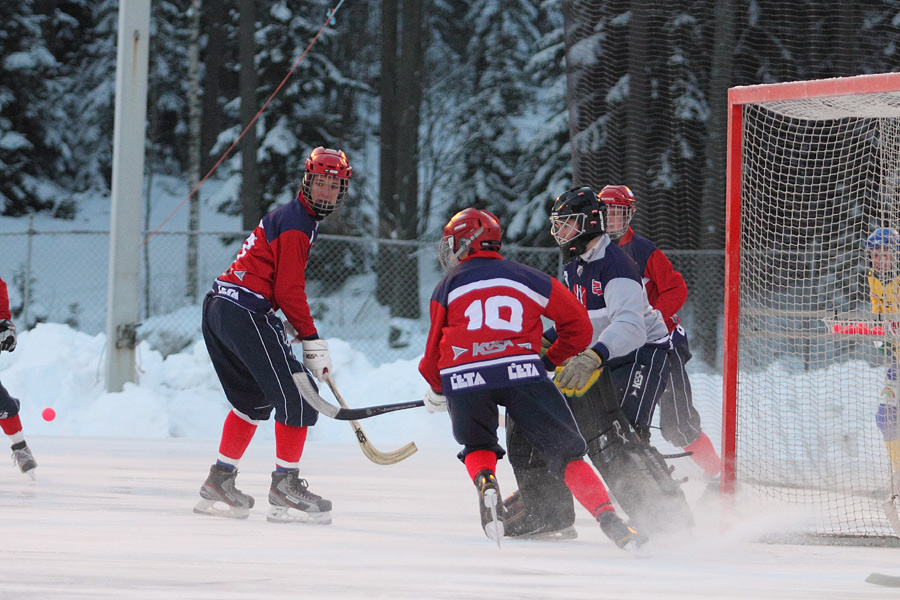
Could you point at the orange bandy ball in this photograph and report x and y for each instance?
(48, 414)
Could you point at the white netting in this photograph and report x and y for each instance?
(818, 176)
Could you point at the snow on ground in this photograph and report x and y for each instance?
(179, 396)
(111, 518)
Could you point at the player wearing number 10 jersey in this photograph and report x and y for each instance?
(486, 324)
(483, 351)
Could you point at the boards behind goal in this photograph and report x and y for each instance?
(813, 169)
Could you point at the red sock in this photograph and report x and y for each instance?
(587, 487)
(479, 460)
(236, 436)
(11, 425)
(705, 455)
(289, 442)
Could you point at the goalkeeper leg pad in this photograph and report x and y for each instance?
(636, 474)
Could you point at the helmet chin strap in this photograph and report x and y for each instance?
(465, 243)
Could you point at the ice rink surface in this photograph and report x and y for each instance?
(111, 518)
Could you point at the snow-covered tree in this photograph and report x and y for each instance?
(493, 96)
(30, 150)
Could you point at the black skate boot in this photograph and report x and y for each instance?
(291, 501)
(622, 534)
(23, 458)
(219, 487)
(490, 505)
(520, 522)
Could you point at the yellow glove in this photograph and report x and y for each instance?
(579, 373)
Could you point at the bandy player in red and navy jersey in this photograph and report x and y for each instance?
(483, 351)
(250, 350)
(9, 406)
(679, 421)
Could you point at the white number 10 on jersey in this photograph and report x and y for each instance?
(488, 314)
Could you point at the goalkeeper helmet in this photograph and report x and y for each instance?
(619, 201)
(324, 186)
(882, 245)
(468, 231)
(577, 217)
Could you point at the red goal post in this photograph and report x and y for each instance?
(827, 119)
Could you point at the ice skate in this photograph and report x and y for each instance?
(291, 501)
(519, 524)
(490, 505)
(220, 498)
(23, 458)
(622, 534)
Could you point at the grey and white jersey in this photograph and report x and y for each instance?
(608, 283)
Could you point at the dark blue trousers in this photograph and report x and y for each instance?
(537, 407)
(679, 421)
(640, 379)
(255, 363)
(9, 406)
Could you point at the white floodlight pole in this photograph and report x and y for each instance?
(127, 192)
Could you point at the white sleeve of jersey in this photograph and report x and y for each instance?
(625, 302)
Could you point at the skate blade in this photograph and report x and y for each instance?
(567, 533)
(494, 528)
(30, 473)
(208, 507)
(285, 514)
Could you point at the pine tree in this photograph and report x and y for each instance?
(28, 149)
(545, 168)
(494, 95)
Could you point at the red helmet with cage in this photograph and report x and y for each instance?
(469, 230)
(619, 201)
(325, 183)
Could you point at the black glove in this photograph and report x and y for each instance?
(7, 335)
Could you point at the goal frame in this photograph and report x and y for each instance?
(738, 97)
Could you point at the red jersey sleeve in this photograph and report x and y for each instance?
(4, 301)
(573, 326)
(428, 366)
(291, 251)
(666, 289)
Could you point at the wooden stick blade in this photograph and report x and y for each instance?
(371, 452)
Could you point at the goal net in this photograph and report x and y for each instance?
(813, 170)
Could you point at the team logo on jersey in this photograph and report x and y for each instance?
(517, 371)
(457, 351)
(580, 293)
(248, 243)
(461, 381)
(596, 288)
(526, 345)
(490, 347)
(637, 383)
(240, 274)
(230, 292)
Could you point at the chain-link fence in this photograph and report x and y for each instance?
(372, 293)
